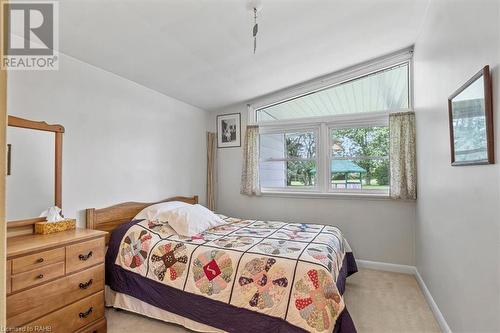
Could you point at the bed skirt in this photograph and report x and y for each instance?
(132, 304)
(132, 292)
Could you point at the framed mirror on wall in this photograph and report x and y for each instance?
(35, 180)
(470, 111)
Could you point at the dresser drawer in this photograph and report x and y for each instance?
(98, 327)
(37, 276)
(71, 318)
(40, 259)
(83, 255)
(30, 304)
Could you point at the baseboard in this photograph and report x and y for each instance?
(434, 308)
(383, 266)
(412, 270)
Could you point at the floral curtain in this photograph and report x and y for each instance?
(403, 156)
(211, 169)
(250, 173)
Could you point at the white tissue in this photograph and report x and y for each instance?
(53, 214)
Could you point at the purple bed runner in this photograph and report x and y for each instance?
(204, 310)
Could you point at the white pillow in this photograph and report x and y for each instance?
(152, 212)
(191, 220)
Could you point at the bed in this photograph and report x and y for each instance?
(242, 276)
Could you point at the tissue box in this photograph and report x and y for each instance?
(45, 228)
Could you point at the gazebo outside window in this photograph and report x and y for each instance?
(346, 175)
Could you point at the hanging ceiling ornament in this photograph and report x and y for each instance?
(255, 30)
(255, 6)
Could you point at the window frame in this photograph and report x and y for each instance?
(292, 130)
(323, 143)
(324, 124)
(370, 122)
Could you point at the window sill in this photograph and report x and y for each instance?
(311, 195)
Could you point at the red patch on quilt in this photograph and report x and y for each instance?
(313, 276)
(211, 270)
(303, 303)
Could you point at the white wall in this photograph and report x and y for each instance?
(458, 218)
(379, 230)
(123, 141)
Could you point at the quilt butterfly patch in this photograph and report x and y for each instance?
(263, 282)
(317, 299)
(212, 271)
(234, 242)
(135, 248)
(169, 260)
(279, 247)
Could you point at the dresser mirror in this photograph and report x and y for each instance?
(33, 170)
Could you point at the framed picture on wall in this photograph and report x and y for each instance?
(229, 130)
(470, 111)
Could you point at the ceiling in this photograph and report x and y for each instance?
(201, 51)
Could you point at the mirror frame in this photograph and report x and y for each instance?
(488, 113)
(58, 130)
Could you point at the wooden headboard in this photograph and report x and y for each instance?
(107, 219)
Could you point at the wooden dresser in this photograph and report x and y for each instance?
(55, 282)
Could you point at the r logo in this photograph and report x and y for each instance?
(34, 23)
(30, 35)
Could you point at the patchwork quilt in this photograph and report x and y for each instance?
(284, 270)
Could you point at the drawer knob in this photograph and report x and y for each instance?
(40, 276)
(85, 285)
(40, 260)
(86, 313)
(84, 257)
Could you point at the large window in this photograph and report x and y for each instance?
(335, 139)
(357, 158)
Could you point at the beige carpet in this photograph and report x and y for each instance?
(388, 302)
(378, 302)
